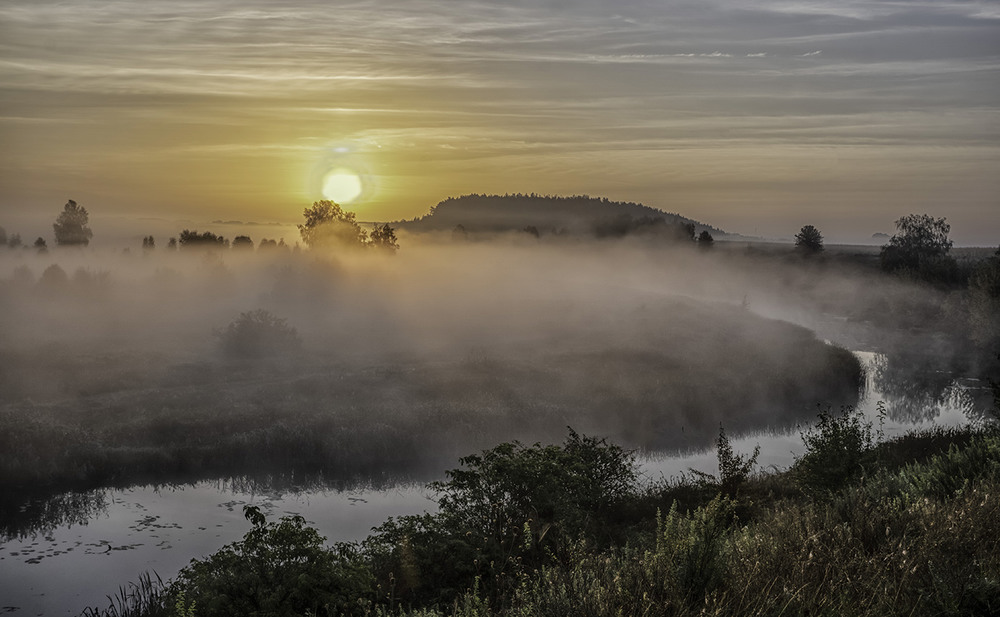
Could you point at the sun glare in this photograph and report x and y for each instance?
(342, 186)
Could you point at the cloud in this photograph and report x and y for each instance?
(121, 81)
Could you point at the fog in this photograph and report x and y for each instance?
(116, 367)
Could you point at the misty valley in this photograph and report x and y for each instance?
(165, 389)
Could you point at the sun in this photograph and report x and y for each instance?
(342, 185)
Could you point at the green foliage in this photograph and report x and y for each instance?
(146, 598)
(419, 558)
(692, 548)
(919, 540)
(505, 511)
(277, 569)
(552, 489)
(838, 450)
(809, 240)
(182, 608)
(71, 226)
(257, 334)
(734, 469)
(950, 473)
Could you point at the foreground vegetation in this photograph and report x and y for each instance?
(856, 527)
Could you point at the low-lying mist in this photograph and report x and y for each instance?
(116, 367)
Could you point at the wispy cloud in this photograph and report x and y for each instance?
(486, 80)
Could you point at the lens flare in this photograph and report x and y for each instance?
(342, 186)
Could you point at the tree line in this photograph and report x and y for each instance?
(327, 226)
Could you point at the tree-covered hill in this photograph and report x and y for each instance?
(546, 213)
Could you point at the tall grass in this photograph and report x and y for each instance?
(145, 598)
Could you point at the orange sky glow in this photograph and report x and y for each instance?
(756, 119)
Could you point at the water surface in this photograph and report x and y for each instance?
(116, 535)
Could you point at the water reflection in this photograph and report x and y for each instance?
(20, 517)
(160, 529)
(918, 387)
(29, 517)
(934, 397)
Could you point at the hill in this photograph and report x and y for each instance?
(548, 214)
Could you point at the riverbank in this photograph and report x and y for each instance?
(856, 526)
(659, 378)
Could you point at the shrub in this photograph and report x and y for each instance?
(507, 510)
(734, 469)
(258, 333)
(691, 549)
(277, 569)
(549, 488)
(838, 449)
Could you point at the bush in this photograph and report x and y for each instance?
(551, 489)
(277, 569)
(838, 449)
(734, 469)
(507, 510)
(258, 333)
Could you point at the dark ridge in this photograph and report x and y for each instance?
(547, 213)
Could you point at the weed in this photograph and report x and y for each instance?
(839, 448)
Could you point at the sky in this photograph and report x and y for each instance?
(757, 118)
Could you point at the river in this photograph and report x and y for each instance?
(119, 534)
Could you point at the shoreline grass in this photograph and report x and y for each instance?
(910, 530)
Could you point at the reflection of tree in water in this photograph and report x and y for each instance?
(916, 387)
(20, 518)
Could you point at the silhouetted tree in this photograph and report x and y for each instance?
(14, 241)
(3, 236)
(148, 243)
(383, 237)
(192, 239)
(459, 234)
(920, 247)
(624, 225)
(531, 230)
(705, 239)
(809, 240)
(71, 226)
(329, 226)
(242, 242)
(689, 230)
(40, 244)
(258, 333)
(266, 244)
(172, 244)
(54, 277)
